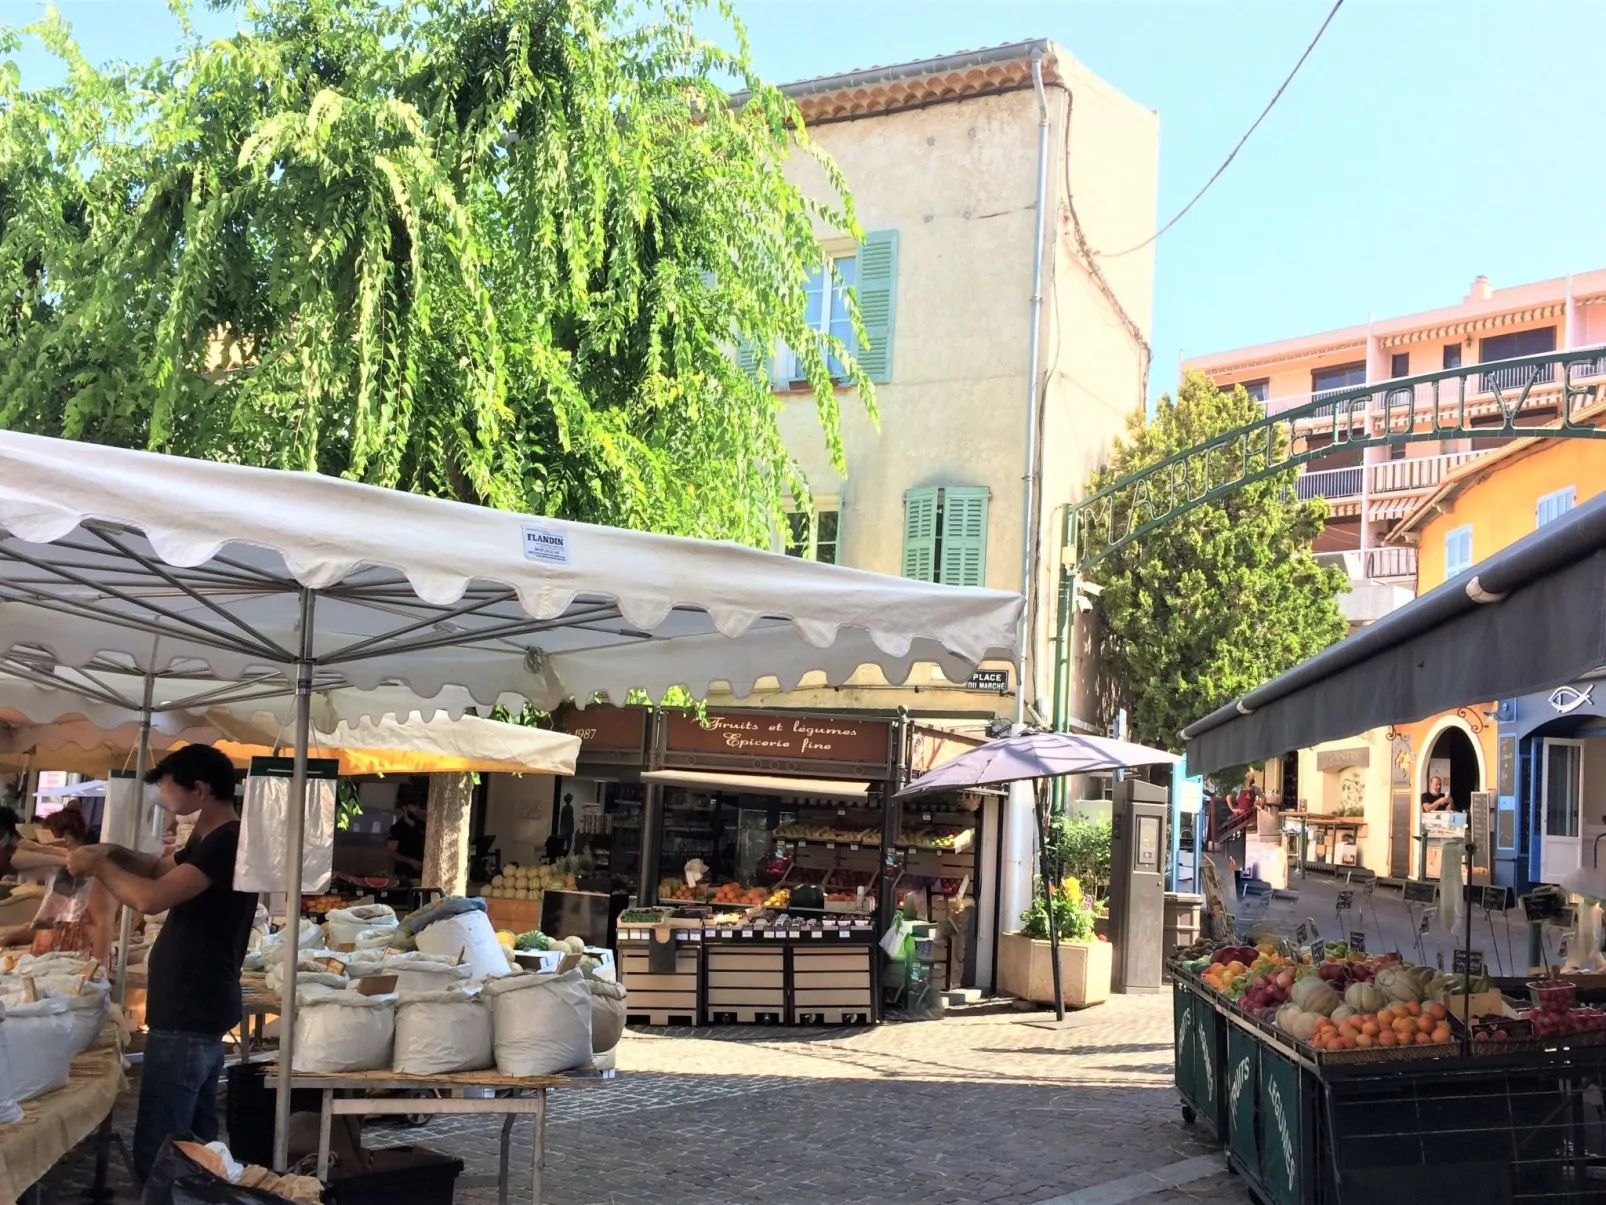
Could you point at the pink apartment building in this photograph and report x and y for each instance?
(1369, 490)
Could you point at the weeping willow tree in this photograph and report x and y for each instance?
(493, 250)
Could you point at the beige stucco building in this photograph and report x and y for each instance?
(942, 158)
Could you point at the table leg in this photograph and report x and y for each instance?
(325, 1117)
(103, 1158)
(501, 1175)
(538, 1146)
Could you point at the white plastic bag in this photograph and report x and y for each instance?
(345, 925)
(378, 938)
(343, 1031)
(421, 974)
(10, 1114)
(441, 1032)
(542, 1023)
(38, 1051)
(261, 858)
(273, 943)
(472, 935)
(1452, 887)
(87, 1012)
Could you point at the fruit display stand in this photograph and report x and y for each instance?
(1469, 1120)
(664, 989)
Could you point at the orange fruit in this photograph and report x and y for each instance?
(1366, 1041)
(1412, 1007)
(1371, 1029)
(1422, 1039)
(1437, 1011)
(1424, 1024)
(1387, 1038)
(1347, 1042)
(1441, 1032)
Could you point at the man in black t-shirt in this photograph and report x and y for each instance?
(193, 997)
(406, 843)
(1434, 798)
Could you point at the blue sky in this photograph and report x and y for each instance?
(1423, 143)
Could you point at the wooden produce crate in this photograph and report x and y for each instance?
(832, 986)
(662, 999)
(519, 916)
(746, 984)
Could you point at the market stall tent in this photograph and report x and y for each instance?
(1531, 617)
(140, 563)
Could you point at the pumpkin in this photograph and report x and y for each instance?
(1301, 1025)
(1398, 983)
(1364, 998)
(1314, 996)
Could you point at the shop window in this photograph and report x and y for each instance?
(1564, 763)
(816, 543)
(1400, 364)
(1553, 506)
(1457, 551)
(1452, 356)
(1258, 390)
(945, 534)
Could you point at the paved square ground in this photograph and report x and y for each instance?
(973, 1108)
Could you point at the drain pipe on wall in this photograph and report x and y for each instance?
(1020, 838)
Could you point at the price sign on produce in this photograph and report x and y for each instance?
(1427, 920)
(1467, 962)
(1357, 942)
(1301, 935)
(1318, 950)
(1346, 900)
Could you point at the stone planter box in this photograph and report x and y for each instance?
(1026, 970)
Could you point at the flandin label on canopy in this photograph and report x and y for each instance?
(547, 545)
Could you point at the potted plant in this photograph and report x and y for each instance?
(1025, 956)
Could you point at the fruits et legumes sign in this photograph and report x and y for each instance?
(759, 734)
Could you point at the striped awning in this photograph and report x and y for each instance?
(1390, 509)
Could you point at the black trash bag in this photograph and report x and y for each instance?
(179, 1180)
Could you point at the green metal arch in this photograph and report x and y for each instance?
(1402, 411)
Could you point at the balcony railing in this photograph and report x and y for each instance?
(1517, 378)
(1375, 564)
(1329, 483)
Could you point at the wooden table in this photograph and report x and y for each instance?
(56, 1122)
(527, 1098)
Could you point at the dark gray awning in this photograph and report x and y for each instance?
(1530, 617)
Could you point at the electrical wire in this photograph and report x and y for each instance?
(1225, 163)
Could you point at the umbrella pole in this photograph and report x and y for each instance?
(292, 888)
(129, 837)
(1040, 791)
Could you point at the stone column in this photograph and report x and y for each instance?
(446, 832)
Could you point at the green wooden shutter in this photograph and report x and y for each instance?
(748, 356)
(964, 535)
(878, 275)
(920, 534)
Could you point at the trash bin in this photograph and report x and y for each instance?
(1182, 911)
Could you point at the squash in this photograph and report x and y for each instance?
(1398, 983)
(1342, 1011)
(1314, 996)
(1364, 998)
(1301, 1025)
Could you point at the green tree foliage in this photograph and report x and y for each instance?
(1215, 603)
(498, 251)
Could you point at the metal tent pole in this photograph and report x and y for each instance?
(292, 887)
(1040, 789)
(129, 837)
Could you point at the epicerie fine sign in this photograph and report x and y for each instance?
(779, 736)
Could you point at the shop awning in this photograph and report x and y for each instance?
(1531, 617)
(760, 784)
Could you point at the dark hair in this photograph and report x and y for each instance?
(69, 822)
(9, 821)
(195, 764)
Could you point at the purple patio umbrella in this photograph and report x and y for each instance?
(1037, 756)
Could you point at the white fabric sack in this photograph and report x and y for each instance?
(421, 974)
(274, 980)
(542, 1022)
(345, 925)
(378, 938)
(441, 1032)
(87, 1012)
(38, 1051)
(273, 943)
(343, 1031)
(470, 933)
(10, 1114)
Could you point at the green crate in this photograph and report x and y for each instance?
(1242, 1135)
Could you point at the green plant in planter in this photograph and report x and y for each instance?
(1071, 913)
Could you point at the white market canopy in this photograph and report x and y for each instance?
(138, 562)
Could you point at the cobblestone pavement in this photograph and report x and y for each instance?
(973, 1108)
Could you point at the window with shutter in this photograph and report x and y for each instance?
(1457, 551)
(877, 278)
(920, 534)
(964, 536)
(1553, 506)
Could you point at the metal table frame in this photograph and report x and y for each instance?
(533, 1105)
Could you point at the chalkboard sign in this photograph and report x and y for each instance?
(1426, 922)
(1542, 905)
(1318, 950)
(1496, 899)
(1369, 886)
(1301, 935)
(1420, 893)
(1346, 900)
(1467, 962)
(1357, 942)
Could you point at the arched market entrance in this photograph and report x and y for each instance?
(1454, 757)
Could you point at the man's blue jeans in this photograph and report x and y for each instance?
(177, 1092)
